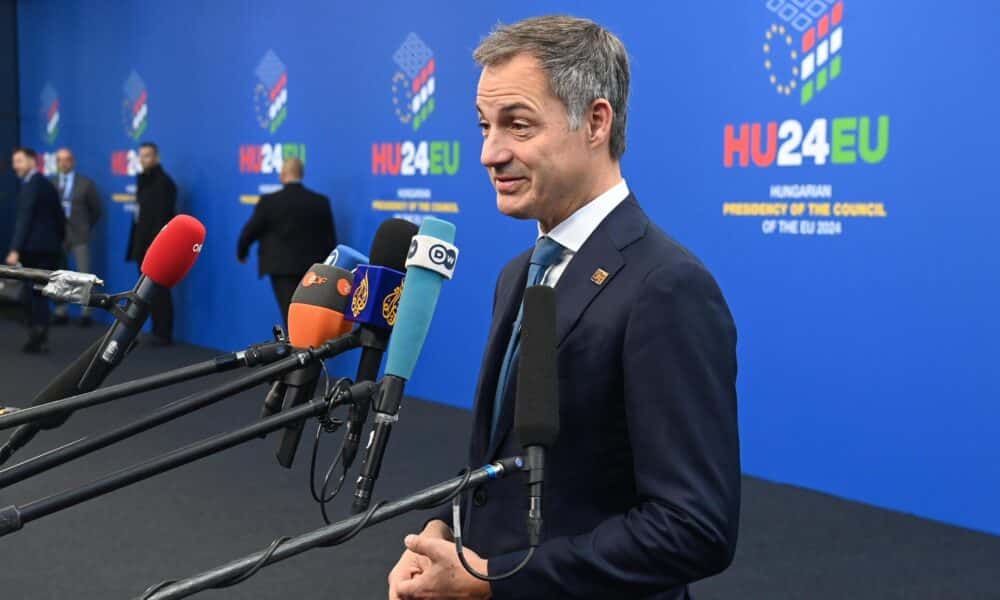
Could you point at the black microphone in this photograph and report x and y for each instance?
(169, 258)
(315, 315)
(388, 255)
(431, 259)
(536, 408)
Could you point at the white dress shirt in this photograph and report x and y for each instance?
(575, 230)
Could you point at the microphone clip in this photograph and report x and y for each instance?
(345, 393)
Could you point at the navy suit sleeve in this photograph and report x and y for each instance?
(25, 212)
(253, 230)
(679, 391)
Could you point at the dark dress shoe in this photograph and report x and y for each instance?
(86, 321)
(35, 345)
(60, 320)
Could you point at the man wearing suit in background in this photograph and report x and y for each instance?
(642, 487)
(37, 240)
(82, 207)
(295, 229)
(156, 201)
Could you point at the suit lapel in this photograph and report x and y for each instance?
(591, 270)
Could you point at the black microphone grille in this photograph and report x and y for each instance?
(392, 244)
(536, 410)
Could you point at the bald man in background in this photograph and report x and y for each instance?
(295, 229)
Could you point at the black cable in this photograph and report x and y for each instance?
(456, 507)
(333, 396)
(256, 567)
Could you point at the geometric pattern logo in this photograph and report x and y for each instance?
(413, 84)
(802, 48)
(271, 92)
(50, 113)
(135, 106)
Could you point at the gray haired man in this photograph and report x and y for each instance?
(642, 486)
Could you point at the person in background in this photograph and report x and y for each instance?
(39, 230)
(295, 228)
(82, 206)
(156, 202)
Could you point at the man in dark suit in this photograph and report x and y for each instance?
(642, 486)
(156, 200)
(82, 206)
(37, 240)
(295, 229)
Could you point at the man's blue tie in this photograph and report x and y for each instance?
(547, 253)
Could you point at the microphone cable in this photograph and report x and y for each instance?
(456, 526)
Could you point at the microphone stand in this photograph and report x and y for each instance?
(336, 533)
(13, 518)
(164, 414)
(259, 354)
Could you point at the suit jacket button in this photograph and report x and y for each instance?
(479, 496)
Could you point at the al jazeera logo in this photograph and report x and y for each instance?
(360, 299)
(390, 306)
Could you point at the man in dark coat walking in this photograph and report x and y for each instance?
(38, 239)
(295, 229)
(156, 197)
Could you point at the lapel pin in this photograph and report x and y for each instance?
(599, 276)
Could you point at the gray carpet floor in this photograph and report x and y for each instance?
(794, 543)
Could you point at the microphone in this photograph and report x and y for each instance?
(315, 315)
(536, 416)
(61, 286)
(374, 306)
(169, 258)
(345, 257)
(536, 410)
(431, 258)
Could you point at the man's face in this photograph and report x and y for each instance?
(22, 164)
(537, 165)
(148, 158)
(65, 161)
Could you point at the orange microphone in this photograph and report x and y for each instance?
(316, 313)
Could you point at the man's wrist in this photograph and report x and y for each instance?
(438, 528)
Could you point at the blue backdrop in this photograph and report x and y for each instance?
(855, 246)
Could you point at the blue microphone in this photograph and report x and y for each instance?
(346, 258)
(377, 292)
(431, 259)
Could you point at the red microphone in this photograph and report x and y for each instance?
(168, 260)
(174, 250)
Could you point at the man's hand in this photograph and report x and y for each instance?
(12, 257)
(412, 564)
(430, 570)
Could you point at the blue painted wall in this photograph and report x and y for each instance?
(866, 343)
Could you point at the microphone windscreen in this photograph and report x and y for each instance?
(536, 408)
(346, 258)
(421, 289)
(391, 243)
(174, 250)
(375, 301)
(316, 312)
